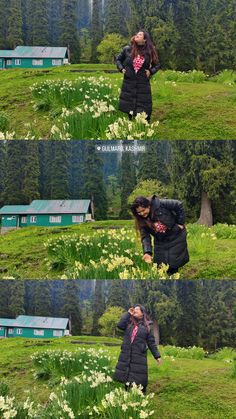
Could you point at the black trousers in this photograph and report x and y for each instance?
(127, 388)
(172, 271)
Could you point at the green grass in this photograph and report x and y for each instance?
(184, 388)
(188, 110)
(23, 254)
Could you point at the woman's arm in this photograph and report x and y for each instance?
(154, 68)
(177, 207)
(146, 241)
(123, 323)
(153, 346)
(121, 58)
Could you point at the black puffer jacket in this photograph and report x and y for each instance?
(170, 247)
(132, 363)
(136, 90)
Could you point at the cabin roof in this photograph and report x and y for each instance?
(78, 206)
(35, 52)
(36, 322)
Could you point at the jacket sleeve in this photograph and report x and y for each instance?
(123, 323)
(151, 343)
(177, 207)
(146, 240)
(154, 68)
(120, 59)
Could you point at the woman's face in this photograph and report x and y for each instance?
(139, 38)
(143, 212)
(138, 313)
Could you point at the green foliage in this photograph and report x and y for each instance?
(190, 353)
(4, 389)
(4, 122)
(110, 46)
(109, 320)
(148, 188)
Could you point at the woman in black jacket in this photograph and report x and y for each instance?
(138, 62)
(132, 363)
(165, 220)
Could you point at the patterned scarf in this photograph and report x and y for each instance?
(134, 333)
(138, 62)
(159, 227)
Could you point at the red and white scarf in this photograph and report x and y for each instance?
(134, 333)
(159, 227)
(138, 62)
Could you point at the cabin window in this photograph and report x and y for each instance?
(1, 328)
(77, 218)
(17, 62)
(9, 62)
(19, 331)
(57, 333)
(10, 331)
(37, 62)
(55, 219)
(38, 332)
(33, 219)
(24, 220)
(56, 62)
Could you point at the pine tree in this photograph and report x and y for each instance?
(15, 23)
(72, 306)
(40, 23)
(17, 293)
(15, 162)
(55, 10)
(96, 29)
(207, 173)
(31, 172)
(69, 32)
(3, 156)
(98, 306)
(3, 23)
(127, 182)
(94, 186)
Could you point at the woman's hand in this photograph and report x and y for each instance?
(181, 226)
(148, 73)
(131, 310)
(123, 70)
(159, 361)
(147, 258)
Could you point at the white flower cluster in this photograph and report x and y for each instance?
(137, 129)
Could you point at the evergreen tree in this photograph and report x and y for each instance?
(55, 10)
(3, 157)
(3, 23)
(15, 24)
(31, 172)
(96, 29)
(98, 306)
(72, 306)
(15, 162)
(17, 293)
(69, 31)
(127, 183)
(40, 22)
(207, 174)
(94, 186)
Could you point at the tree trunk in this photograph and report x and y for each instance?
(206, 217)
(156, 332)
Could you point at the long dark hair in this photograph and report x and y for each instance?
(147, 48)
(143, 202)
(145, 319)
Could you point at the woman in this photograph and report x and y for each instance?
(132, 363)
(164, 219)
(138, 62)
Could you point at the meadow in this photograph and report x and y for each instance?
(110, 250)
(66, 378)
(81, 102)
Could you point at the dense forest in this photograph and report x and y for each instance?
(200, 173)
(188, 34)
(184, 313)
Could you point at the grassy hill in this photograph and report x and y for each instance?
(23, 253)
(184, 388)
(186, 110)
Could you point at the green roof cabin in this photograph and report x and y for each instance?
(34, 327)
(46, 213)
(34, 57)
